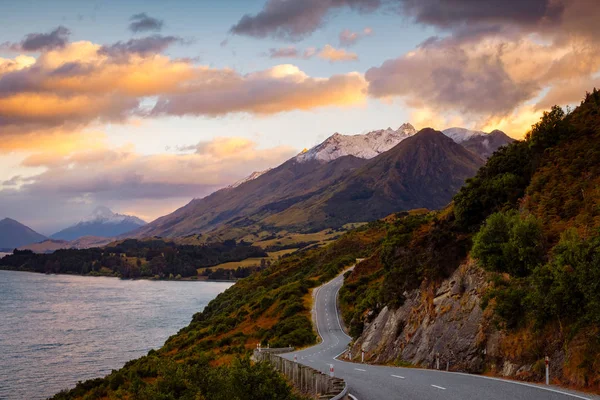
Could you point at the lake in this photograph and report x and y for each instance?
(58, 329)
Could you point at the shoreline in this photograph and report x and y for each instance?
(186, 279)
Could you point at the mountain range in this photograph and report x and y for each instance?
(344, 179)
(103, 223)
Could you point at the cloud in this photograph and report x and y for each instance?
(284, 52)
(332, 54)
(277, 89)
(328, 53)
(349, 38)
(144, 23)
(494, 64)
(82, 84)
(143, 46)
(123, 177)
(33, 42)
(295, 19)
(467, 16)
(471, 81)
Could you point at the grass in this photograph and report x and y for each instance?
(251, 262)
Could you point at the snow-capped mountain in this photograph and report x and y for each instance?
(460, 135)
(481, 143)
(249, 178)
(102, 222)
(365, 146)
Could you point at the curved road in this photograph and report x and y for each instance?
(372, 382)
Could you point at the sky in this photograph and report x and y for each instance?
(143, 105)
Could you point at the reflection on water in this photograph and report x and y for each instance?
(57, 329)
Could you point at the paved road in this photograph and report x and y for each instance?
(370, 382)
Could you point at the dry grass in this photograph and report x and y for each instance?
(251, 262)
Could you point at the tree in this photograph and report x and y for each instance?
(508, 243)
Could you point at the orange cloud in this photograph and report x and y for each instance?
(332, 54)
(80, 84)
(278, 89)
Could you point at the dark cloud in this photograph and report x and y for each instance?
(460, 14)
(143, 46)
(295, 19)
(144, 23)
(284, 52)
(59, 37)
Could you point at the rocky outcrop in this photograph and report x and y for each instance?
(446, 322)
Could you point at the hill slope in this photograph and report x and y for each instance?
(248, 203)
(13, 234)
(507, 274)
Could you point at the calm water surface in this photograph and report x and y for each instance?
(58, 329)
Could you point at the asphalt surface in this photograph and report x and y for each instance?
(372, 382)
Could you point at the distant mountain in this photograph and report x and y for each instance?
(486, 145)
(423, 170)
(479, 142)
(14, 234)
(460, 135)
(103, 222)
(364, 146)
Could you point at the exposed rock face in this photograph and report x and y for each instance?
(447, 322)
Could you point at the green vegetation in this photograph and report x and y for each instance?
(133, 258)
(152, 377)
(509, 243)
(270, 306)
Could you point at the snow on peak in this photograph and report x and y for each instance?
(366, 146)
(249, 178)
(105, 215)
(460, 135)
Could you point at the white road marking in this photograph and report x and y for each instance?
(521, 383)
(361, 370)
(398, 376)
(352, 397)
(439, 387)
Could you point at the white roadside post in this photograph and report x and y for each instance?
(295, 358)
(547, 370)
(362, 356)
(331, 370)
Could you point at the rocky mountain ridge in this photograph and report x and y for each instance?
(365, 146)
